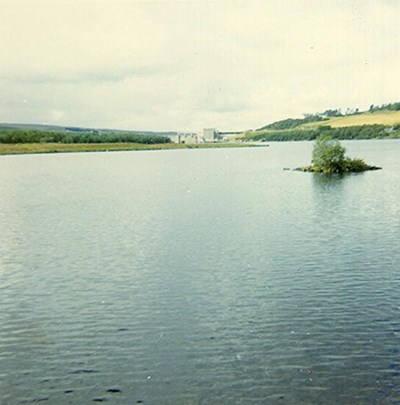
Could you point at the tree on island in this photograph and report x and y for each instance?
(328, 157)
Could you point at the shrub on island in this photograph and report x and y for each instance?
(328, 157)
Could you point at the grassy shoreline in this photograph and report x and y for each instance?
(36, 148)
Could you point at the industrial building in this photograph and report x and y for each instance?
(208, 135)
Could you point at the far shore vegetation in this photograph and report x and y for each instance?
(64, 137)
(26, 141)
(328, 157)
(378, 122)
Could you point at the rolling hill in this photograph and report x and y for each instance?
(384, 117)
(380, 122)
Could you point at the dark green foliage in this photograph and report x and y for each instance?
(355, 165)
(333, 113)
(389, 107)
(287, 135)
(355, 132)
(328, 156)
(33, 136)
(291, 123)
(358, 132)
(347, 166)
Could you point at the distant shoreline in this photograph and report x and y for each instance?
(40, 148)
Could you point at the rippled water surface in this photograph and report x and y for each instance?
(199, 277)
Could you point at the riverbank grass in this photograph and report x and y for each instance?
(31, 148)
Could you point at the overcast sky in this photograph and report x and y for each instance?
(186, 65)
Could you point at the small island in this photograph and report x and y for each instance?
(328, 157)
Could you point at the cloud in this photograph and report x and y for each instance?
(96, 75)
(187, 64)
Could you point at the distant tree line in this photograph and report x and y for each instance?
(355, 132)
(333, 113)
(389, 107)
(291, 123)
(34, 136)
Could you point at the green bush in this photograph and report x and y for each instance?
(328, 155)
(355, 165)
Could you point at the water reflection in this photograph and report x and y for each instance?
(328, 191)
(327, 181)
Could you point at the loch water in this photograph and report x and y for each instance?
(200, 277)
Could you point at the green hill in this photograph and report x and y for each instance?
(382, 117)
(377, 122)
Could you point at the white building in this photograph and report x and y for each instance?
(211, 135)
(187, 138)
(208, 135)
